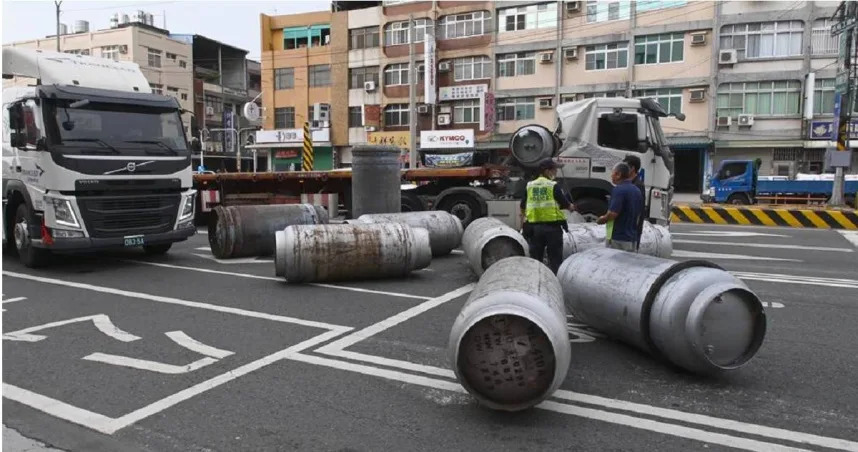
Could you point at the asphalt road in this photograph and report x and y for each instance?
(185, 353)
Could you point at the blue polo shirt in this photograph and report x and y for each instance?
(627, 203)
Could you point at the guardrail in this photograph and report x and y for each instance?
(767, 216)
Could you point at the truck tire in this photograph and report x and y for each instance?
(591, 208)
(411, 203)
(465, 207)
(157, 250)
(738, 199)
(29, 255)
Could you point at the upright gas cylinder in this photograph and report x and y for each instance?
(445, 229)
(509, 346)
(693, 313)
(376, 180)
(488, 240)
(242, 231)
(655, 239)
(337, 252)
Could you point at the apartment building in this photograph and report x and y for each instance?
(165, 62)
(775, 84)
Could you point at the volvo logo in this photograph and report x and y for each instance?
(131, 167)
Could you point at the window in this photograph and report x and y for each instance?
(516, 109)
(30, 124)
(359, 75)
(173, 91)
(732, 169)
(669, 98)
(284, 118)
(607, 56)
(301, 37)
(363, 38)
(464, 25)
(763, 39)
(320, 75)
(171, 56)
(601, 11)
(110, 52)
(528, 17)
(284, 78)
(396, 115)
(184, 96)
(516, 64)
(821, 42)
(655, 49)
(651, 5)
(618, 131)
(355, 116)
(154, 58)
(183, 64)
(77, 51)
(472, 68)
(582, 96)
(466, 111)
(823, 96)
(396, 74)
(778, 98)
(157, 88)
(396, 33)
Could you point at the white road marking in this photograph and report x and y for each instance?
(281, 280)
(605, 416)
(203, 248)
(728, 234)
(736, 257)
(793, 279)
(152, 366)
(238, 260)
(176, 301)
(56, 408)
(852, 236)
(11, 300)
(192, 344)
(203, 231)
(457, 252)
(101, 321)
(763, 245)
(772, 304)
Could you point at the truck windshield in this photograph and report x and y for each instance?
(125, 129)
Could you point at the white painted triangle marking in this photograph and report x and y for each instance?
(852, 236)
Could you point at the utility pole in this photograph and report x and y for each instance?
(846, 19)
(58, 3)
(412, 95)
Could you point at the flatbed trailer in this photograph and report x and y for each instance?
(461, 191)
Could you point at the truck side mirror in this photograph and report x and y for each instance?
(15, 117)
(18, 140)
(643, 146)
(196, 146)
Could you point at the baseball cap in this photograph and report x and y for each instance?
(547, 164)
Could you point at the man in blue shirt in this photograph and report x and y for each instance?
(624, 211)
(637, 178)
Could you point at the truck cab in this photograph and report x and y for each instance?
(92, 159)
(735, 182)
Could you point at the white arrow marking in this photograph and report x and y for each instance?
(738, 257)
(763, 245)
(241, 260)
(728, 234)
(101, 321)
(152, 366)
(192, 344)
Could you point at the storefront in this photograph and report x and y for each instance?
(447, 148)
(284, 148)
(692, 163)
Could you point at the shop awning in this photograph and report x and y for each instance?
(284, 145)
(688, 142)
(759, 144)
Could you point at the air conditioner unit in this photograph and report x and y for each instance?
(209, 111)
(571, 53)
(444, 66)
(546, 102)
(698, 39)
(728, 56)
(369, 86)
(546, 57)
(422, 109)
(745, 120)
(123, 48)
(697, 95)
(573, 7)
(444, 120)
(369, 128)
(321, 112)
(724, 121)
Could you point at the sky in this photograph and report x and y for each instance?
(232, 22)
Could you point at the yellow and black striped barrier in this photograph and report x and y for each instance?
(307, 152)
(761, 216)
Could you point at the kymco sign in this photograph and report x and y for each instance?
(446, 139)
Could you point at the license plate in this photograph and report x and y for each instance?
(134, 240)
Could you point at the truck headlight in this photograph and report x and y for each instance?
(187, 208)
(63, 213)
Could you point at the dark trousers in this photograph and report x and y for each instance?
(549, 236)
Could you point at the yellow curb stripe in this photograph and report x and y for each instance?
(691, 215)
(763, 217)
(734, 212)
(674, 218)
(789, 218)
(840, 218)
(814, 218)
(713, 215)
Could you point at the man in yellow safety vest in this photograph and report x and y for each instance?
(544, 221)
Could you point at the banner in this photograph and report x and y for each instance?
(398, 139)
(449, 160)
(430, 66)
(446, 139)
(228, 138)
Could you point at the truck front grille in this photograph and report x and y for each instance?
(117, 216)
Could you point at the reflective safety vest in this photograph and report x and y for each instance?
(541, 206)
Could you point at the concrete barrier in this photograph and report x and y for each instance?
(766, 216)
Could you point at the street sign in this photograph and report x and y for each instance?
(841, 27)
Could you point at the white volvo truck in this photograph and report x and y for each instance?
(92, 159)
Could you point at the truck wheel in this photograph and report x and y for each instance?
(591, 208)
(157, 250)
(411, 203)
(738, 199)
(28, 255)
(466, 208)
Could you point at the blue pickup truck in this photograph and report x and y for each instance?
(737, 182)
